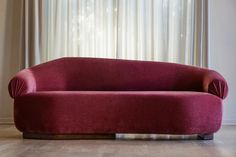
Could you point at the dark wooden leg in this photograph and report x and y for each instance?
(205, 136)
(68, 137)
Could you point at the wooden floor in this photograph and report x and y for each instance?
(224, 145)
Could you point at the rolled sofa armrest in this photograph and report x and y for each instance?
(23, 83)
(215, 84)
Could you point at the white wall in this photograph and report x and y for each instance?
(9, 56)
(5, 102)
(222, 48)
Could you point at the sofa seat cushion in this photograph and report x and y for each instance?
(68, 112)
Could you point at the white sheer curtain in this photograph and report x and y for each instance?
(130, 29)
(161, 30)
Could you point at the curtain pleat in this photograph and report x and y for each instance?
(31, 32)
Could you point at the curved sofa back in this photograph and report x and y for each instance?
(113, 74)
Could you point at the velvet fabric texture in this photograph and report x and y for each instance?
(91, 95)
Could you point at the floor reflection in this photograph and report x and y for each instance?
(154, 137)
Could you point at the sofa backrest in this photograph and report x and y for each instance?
(112, 74)
(116, 75)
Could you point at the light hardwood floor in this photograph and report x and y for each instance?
(224, 145)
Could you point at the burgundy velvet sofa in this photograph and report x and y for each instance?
(88, 96)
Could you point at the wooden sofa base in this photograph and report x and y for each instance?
(91, 136)
(205, 137)
(68, 137)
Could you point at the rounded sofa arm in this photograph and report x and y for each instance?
(215, 84)
(23, 83)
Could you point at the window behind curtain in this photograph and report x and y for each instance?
(161, 30)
